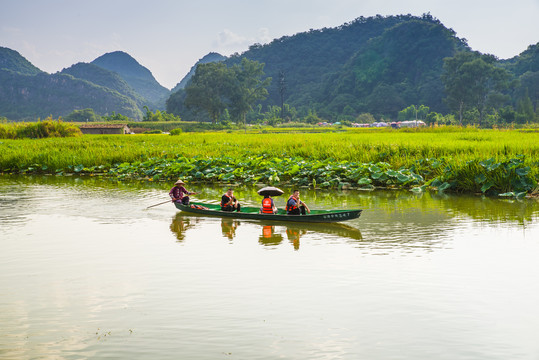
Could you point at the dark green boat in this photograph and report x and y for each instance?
(316, 216)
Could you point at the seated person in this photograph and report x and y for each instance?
(179, 194)
(294, 206)
(229, 202)
(268, 206)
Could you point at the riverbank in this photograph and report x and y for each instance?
(469, 160)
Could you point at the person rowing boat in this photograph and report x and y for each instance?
(179, 194)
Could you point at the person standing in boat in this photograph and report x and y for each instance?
(294, 206)
(179, 194)
(229, 202)
(268, 206)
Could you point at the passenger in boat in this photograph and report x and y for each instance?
(294, 206)
(268, 206)
(179, 194)
(229, 202)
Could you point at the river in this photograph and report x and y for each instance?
(87, 272)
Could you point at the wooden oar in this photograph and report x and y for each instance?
(159, 204)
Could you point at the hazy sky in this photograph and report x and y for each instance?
(168, 36)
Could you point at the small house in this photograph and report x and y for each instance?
(105, 129)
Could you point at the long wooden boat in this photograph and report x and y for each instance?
(316, 216)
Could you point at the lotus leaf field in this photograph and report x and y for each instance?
(493, 162)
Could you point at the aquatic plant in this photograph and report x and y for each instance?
(472, 160)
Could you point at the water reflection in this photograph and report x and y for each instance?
(269, 237)
(180, 224)
(270, 233)
(228, 227)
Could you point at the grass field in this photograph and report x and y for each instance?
(430, 153)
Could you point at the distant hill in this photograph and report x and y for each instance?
(526, 61)
(211, 57)
(105, 78)
(400, 67)
(31, 96)
(333, 68)
(13, 61)
(136, 75)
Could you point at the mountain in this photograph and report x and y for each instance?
(400, 67)
(105, 78)
(377, 64)
(13, 61)
(359, 65)
(211, 57)
(526, 61)
(136, 75)
(31, 96)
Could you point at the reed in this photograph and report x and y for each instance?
(429, 154)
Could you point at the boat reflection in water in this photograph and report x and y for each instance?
(228, 227)
(180, 224)
(270, 233)
(269, 237)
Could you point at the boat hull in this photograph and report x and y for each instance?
(316, 216)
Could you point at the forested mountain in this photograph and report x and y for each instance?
(28, 93)
(136, 75)
(400, 67)
(360, 65)
(12, 60)
(31, 96)
(528, 60)
(378, 65)
(211, 57)
(106, 78)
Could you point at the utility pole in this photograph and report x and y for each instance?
(282, 89)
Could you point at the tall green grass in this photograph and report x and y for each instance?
(456, 152)
(38, 130)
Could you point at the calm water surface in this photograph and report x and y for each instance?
(87, 272)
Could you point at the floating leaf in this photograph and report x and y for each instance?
(403, 178)
(523, 171)
(444, 186)
(520, 195)
(507, 194)
(481, 178)
(364, 181)
(486, 186)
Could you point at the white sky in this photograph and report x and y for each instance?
(169, 36)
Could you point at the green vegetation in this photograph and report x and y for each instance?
(365, 70)
(215, 88)
(38, 130)
(13, 61)
(472, 160)
(86, 115)
(139, 78)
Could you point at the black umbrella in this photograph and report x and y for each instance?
(271, 191)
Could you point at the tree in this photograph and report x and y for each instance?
(208, 89)
(529, 82)
(473, 81)
(247, 88)
(115, 117)
(83, 115)
(414, 113)
(525, 112)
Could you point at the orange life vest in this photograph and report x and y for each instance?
(267, 231)
(267, 208)
(224, 203)
(289, 206)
